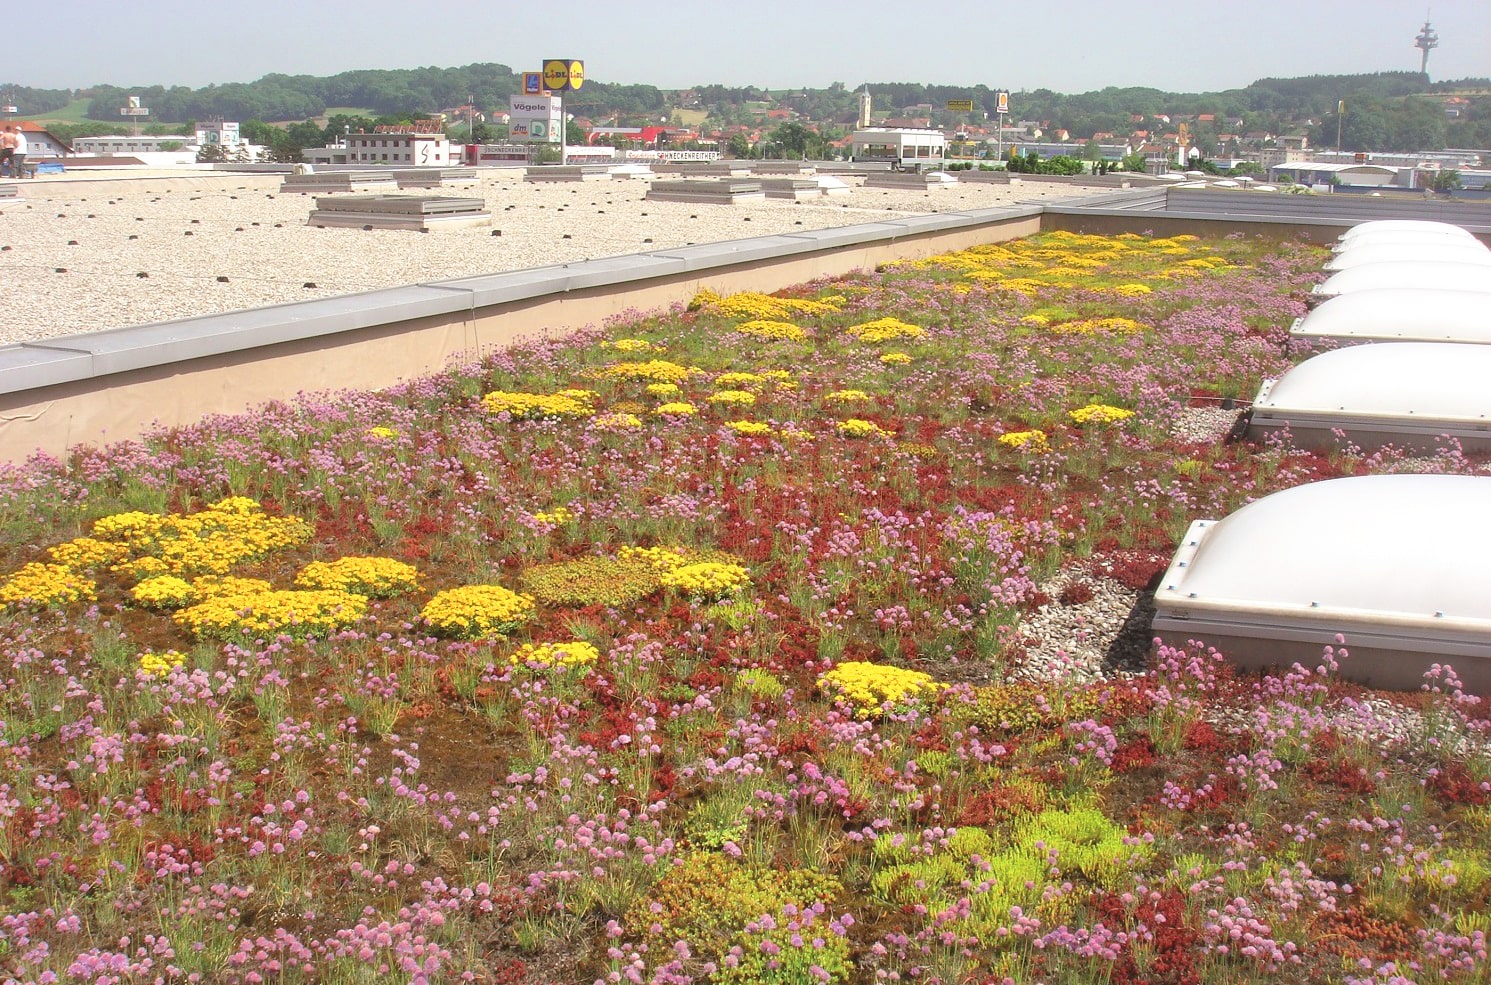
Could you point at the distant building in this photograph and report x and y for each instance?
(409, 149)
(40, 143)
(900, 147)
(1347, 177)
(115, 146)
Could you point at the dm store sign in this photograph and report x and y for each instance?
(534, 118)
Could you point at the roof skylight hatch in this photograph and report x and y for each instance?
(1398, 564)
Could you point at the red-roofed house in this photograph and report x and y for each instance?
(40, 143)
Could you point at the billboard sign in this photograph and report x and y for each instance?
(1002, 103)
(534, 119)
(960, 105)
(563, 74)
(533, 83)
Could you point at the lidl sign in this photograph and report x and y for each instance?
(563, 74)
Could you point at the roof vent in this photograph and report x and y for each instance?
(1399, 564)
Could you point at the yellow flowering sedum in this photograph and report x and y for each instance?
(655, 370)
(40, 585)
(847, 396)
(371, 577)
(561, 656)
(269, 613)
(477, 611)
(707, 580)
(750, 428)
(1031, 441)
(87, 552)
(749, 304)
(895, 358)
(733, 398)
(886, 329)
(856, 428)
(657, 558)
(161, 664)
(1132, 290)
(213, 541)
(677, 408)
(1098, 326)
(535, 406)
(164, 592)
(780, 331)
(618, 421)
(868, 687)
(740, 381)
(380, 433)
(1099, 414)
(633, 345)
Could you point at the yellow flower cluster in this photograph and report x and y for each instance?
(749, 428)
(561, 656)
(847, 396)
(618, 421)
(170, 592)
(371, 577)
(634, 345)
(655, 370)
(707, 580)
(164, 592)
(161, 664)
(657, 558)
(733, 398)
(1099, 414)
(1023, 285)
(885, 329)
(663, 389)
(1098, 326)
(554, 517)
(40, 585)
(82, 553)
(535, 406)
(740, 381)
(213, 541)
(856, 428)
(380, 433)
(1131, 290)
(258, 615)
(895, 359)
(868, 687)
(1031, 441)
(676, 408)
(477, 611)
(749, 304)
(1204, 263)
(780, 331)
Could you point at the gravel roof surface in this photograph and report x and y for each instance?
(218, 241)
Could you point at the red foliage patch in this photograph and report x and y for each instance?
(1137, 570)
(1076, 593)
(1453, 784)
(1134, 755)
(1175, 947)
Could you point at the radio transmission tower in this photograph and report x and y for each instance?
(1426, 41)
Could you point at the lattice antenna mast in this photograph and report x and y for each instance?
(1426, 41)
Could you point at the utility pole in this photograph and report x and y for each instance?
(1340, 116)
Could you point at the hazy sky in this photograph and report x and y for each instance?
(1074, 46)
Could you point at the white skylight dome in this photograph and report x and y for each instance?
(1376, 226)
(1405, 236)
(1447, 251)
(1398, 564)
(1407, 273)
(1403, 314)
(1402, 393)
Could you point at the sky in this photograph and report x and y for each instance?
(1072, 46)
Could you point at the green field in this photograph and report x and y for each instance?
(73, 112)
